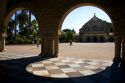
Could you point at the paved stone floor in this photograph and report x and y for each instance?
(34, 69)
(67, 67)
(94, 66)
(77, 50)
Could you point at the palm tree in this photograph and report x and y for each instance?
(16, 21)
(29, 22)
(23, 23)
(27, 28)
(34, 27)
(10, 28)
(30, 14)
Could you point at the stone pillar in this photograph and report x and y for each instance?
(2, 42)
(56, 46)
(49, 46)
(48, 31)
(2, 13)
(117, 48)
(2, 9)
(123, 50)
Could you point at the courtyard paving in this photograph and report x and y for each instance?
(77, 50)
(80, 63)
(67, 67)
(35, 69)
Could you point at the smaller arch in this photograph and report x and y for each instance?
(88, 39)
(18, 6)
(28, 24)
(8, 16)
(95, 39)
(102, 39)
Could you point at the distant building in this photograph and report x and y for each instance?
(96, 30)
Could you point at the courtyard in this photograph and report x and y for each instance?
(102, 51)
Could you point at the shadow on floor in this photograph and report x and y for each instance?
(15, 71)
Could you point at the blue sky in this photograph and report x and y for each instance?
(79, 16)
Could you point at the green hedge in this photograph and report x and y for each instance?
(19, 40)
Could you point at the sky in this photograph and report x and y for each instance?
(79, 16)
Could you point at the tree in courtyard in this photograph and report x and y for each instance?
(67, 35)
(27, 28)
(63, 37)
(23, 23)
(34, 30)
(10, 29)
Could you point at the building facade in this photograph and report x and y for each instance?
(96, 30)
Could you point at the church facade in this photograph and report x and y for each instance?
(96, 30)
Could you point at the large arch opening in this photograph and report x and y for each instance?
(94, 34)
(22, 32)
(88, 49)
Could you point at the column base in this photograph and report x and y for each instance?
(117, 60)
(3, 50)
(2, 43)
(123, 62)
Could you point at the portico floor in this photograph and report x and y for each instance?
(33, 69)
(30, 68)
(67, 67)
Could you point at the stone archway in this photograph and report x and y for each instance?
(7, 20)
(19, 35)
(50, 15)
(111, 11)
(9, 11)
(49, 35)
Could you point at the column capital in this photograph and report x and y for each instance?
(3, 35)
(120, 34)
(117, 34)
(49, 34)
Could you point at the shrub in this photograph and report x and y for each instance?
(19, 40)
(26, 41)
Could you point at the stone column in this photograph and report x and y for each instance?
(56, 46)
(2, 42)
(123, 50)
(2, 9)
(48, 31)
(49, 46)
(2, 13)
(117, 48)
